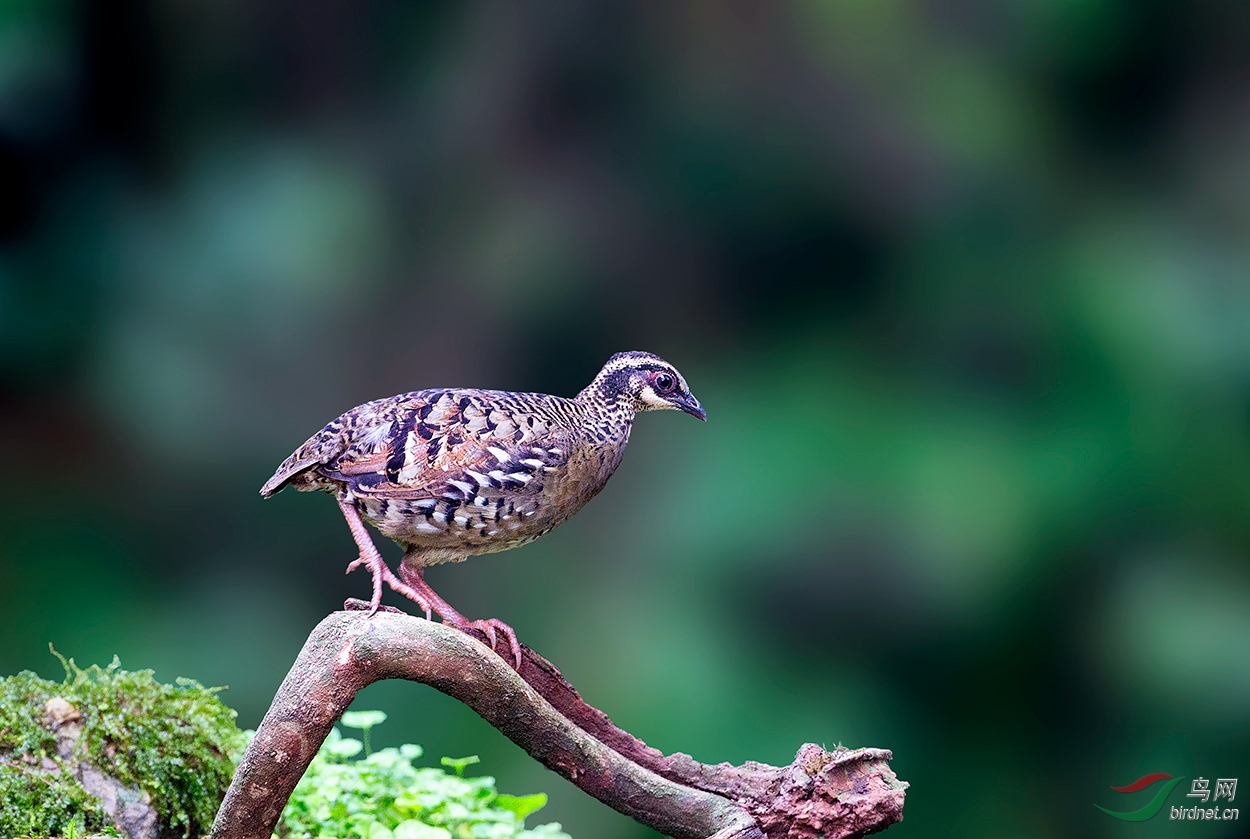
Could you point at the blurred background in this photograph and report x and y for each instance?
(964, 286)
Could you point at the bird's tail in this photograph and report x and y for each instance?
(290, 468)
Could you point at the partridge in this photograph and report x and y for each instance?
(451, 473)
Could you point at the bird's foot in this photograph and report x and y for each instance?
(377, 566)
(414, 586)
(490, 627)
(353, 604)
(413, 594)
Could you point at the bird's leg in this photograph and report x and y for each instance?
(413, 580)
(422, 595)
(371, 559)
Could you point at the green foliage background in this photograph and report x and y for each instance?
(383, 795)
(962, 285)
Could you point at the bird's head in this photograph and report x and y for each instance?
(646, 382)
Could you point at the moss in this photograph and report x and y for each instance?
(34, 805)
(177, 742)
(36, 802)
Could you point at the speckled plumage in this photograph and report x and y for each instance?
(452, 473)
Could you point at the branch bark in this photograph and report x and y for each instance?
(821, 795)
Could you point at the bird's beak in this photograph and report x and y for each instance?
(691, 406)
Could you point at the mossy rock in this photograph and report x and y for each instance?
(112, 752)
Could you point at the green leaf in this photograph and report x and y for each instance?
(522, 805)
(363, 719)
(344, 747)
(459, 763)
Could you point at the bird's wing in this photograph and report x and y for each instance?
(356, 428)
(452, 444)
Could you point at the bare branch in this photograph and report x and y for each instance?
(840, 794)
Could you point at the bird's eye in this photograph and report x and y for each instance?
(665, 383)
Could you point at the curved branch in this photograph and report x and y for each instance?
(821, 794)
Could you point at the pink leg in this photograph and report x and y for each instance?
(413, 585)
(371, 559)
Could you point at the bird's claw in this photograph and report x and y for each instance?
(379, 570)
(355, 604)
(489, 627)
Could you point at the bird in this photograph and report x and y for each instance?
(449, 473)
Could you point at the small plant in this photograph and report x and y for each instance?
(364, 720)
(382, 795)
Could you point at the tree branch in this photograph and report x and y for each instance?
(821, 795)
